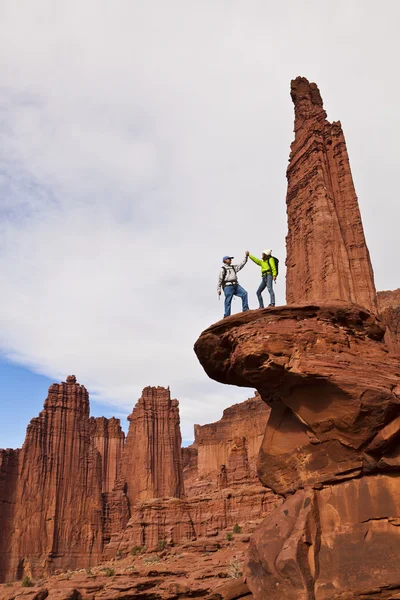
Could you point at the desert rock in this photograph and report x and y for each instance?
(327, 256)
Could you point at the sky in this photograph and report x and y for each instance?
(142, 140)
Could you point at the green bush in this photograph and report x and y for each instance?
(237, 528)
(136, 550)
(108, 572)
(27, 582)
(161, 545)
(229, 536)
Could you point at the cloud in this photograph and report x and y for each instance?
(141, 141)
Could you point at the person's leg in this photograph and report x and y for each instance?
(260, 290)
(271, 289)
(241, 292)
(228, 291)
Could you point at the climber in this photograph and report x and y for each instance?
(269, 273)
(228, 281)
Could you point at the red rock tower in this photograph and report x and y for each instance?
(152, 462)
(109, 439)
(327, 255)
(57, 505)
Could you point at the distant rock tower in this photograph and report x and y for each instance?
(327, 255)
(152, 461)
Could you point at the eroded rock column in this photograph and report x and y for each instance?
(152, 462)
(327, 255)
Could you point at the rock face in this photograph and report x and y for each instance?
(76, 491)
(332, 442)
(224, 453)
(108, 439)
(389, 310)
(220, 481)
(159, 522)
(8, 500)
(57, 517)
(327, 257)
(152, 464)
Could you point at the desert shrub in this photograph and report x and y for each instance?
(237, 528)
(161, 545)
(27, 582)
(136, 550)
(108, 572)
(229, 536)
(148, 560)
(234, 569)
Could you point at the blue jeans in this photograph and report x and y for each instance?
(234, 290)
(266, 282)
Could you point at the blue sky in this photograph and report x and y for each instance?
(142, 141)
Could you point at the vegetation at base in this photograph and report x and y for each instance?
(27, 582)
(234, 570)
(237, 528)
(108, 572)
(161, 545)
(148, 560)
(229, 536)
(137, 550)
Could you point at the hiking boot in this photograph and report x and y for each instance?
(271, 305)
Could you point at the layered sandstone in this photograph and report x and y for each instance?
(224, 453)
(75, 492)
(327, 257)
(389, 311)
(152, 461)
(8, 505)
(57, 519)
(221, 485)
(332, 442)
(175, 521)
(331, 446)
(108, 439)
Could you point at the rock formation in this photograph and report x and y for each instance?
(8, 504)
(327, 257)
(389, 311)
(332, 442)
(211, 503)
(225, 453)
(152, 463)
(108, 439)
(56, 484)
(76, 492)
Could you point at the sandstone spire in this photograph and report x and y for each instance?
(152, 462)
(58, 507)
(327, 255)
(109, 439)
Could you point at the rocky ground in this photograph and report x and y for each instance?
(210, 568)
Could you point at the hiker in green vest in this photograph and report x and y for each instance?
(269, 273)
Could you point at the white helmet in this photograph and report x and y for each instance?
(267, 252)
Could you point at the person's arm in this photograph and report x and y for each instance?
(272, 264)
(220, 280)
(239, 267)
(256, 260)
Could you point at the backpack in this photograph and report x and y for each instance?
(276, 264)
(224, 276)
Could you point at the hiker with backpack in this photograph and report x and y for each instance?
(228, 281)
(269, 272)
